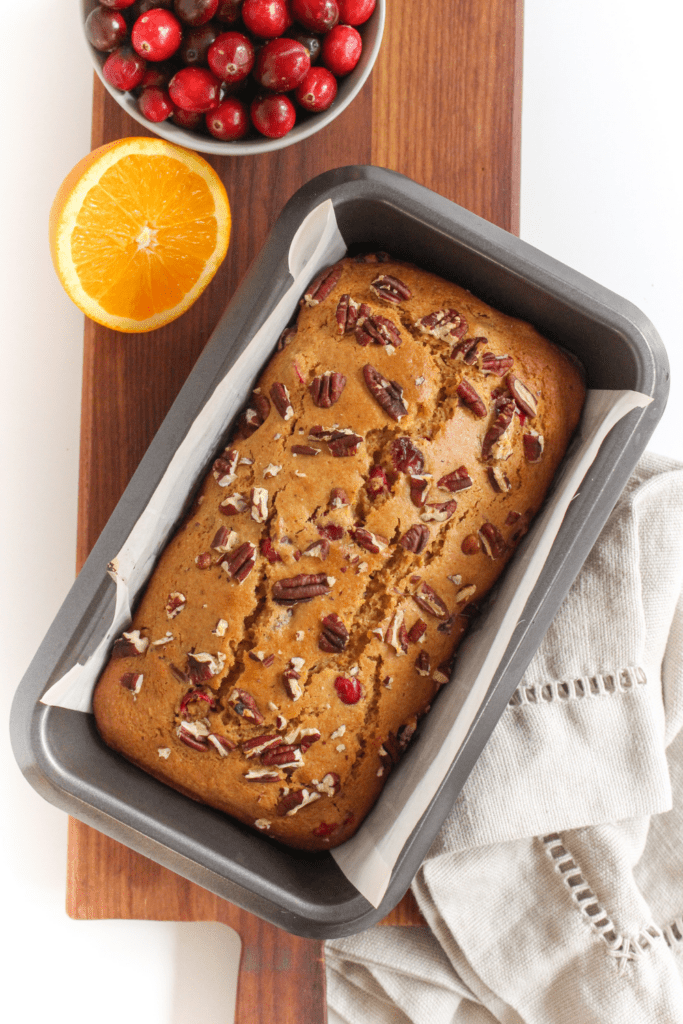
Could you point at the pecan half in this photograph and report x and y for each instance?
(406, 456)
(244, 705)
(321, 286)
(378, 329)
(442, 323)
(428, 599)
(241, 562)
(346, 314)
(466, 350)
(225, 466)
(504, 411)
(334, 636)
(285, 755)
(498, 365)
(191, 739)
(303, 587)
(492, 540)
(390, 289)
(415, 539)
(533, 446)
(281, 400)
(327, 389)
(254, 416)
(439, 511)
(388, 394)
(522, 395)
(458, 480)
(372, 542)
(471, 398)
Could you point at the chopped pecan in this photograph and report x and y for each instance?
(470, 545)
(241, 562)
(334, 636)
(344, 443)
(471, 398)
(423, 664)
(504, 410)
(254, 416)
(498, 480)
(259, 504)
(130, 645)
(396, 634)
(466, 350)
(378, 329)
(281, 400)
(338, 499)
(132, 681)
(245, 706)
(406, 456)
(222, 744)
(372, 542)
(285, 755)
(285, 338)
(224, 539)
(308, 738)
(498, 365)
(330, 784)
(442, 323)
(304, 449)
(293, 802)
(268, 551)
(458, 480)
(522, 395)
(178, 674)
(492, 540)
(428, 599)
(318, 549)
(331, 531)
(233, 505)
(377, 484)
(255, 746)
(321, 286)
(300, 588)
(415, 539)
(204, 666)
(225, 466)
(194, 739)
(327, 389)
(387, 394)
(533, 446)
(466, 593)
(439, 511)
(175, 604)
(262, 775)
(419, 486)
(417, 631)
(390, 289)
(290, 678)
(203, 560)
(195, 695)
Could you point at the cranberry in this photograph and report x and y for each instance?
(155, 103)
(342, 48)
(231, 56)
(316, 15)
(317, 91)
(282, 64)
(194, 48)
(195, 12)
(273, 116)
(348, 689)
(156, 35)
(266, 18)
(193, 120)
(117, 5)
(124, 68)
(105, 30)
(310, 40)
(230, 120)
(355, 12)
(195, 89)
(143, 6)
(229, 11)
(158, 76)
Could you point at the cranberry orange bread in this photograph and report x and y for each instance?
(307, 611)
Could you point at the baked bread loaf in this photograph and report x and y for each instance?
(307, 610)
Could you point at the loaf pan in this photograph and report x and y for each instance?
(60, 752)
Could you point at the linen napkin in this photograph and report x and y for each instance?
(554, 891)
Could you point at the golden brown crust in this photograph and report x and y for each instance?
(230, 638)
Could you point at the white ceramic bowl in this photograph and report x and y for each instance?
(307, 124)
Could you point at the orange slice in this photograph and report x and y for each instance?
(137, 230)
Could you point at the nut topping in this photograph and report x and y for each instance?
(130, 645)
(241, 562)
(466, 350)
(377, 484)
(396, 634)
(224, 468)
(522, 395)
(318, 549)
(372, 542)
(498, 365)
(419, 486)
(331, 531)
(224, 540)
(470, 545)
(471, 398)
(378, 329)
(259, 504)
(338, 499)
(417, 631)
(443, 323)
(175, 604)
(254, 416)
(390, 289)
(284, 755)
(261, 775)
(193, 735)
(439, 511)
(533, 446)
(203, 560)
(504, 409)
(406, 456)
(423, 664)
(327, 389)
(428, 599)
(415, 539)
(492, 540)
(458, 480)
(387, 394)
(281, 400)
(321, 286)
(234, 505)
(132, 681)
(293, 802)
(498, 480)
(304, 449)
(346, 314)
(303, 587)
(244, 705)
(334, 636)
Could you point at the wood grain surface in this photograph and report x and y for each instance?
(443, 106)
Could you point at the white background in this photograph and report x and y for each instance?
(601, 191)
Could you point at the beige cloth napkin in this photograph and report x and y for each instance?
(554, 891)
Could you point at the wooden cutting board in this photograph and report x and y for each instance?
(443, 106)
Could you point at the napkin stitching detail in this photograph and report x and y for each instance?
(599, 685)
(624, 948)
(673, 933)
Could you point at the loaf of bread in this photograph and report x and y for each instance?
(306, 612)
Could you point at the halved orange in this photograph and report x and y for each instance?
(137, 230)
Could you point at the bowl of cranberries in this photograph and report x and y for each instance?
(233, 76)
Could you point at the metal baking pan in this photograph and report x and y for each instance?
(60, 752)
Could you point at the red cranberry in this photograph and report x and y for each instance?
(348, 689)
(158, 75)
(124, 68)
(282, 64)
(156, 35)
(194, 48)
(193, 120)
(231, 56)
(229, 11)
(342, 48)
(195, 89)
(230, 120)
(117, 5)
(316, 15)
(355, 12)
(105, 30)
(310, 40)
(143, 6)
(317, 91)
(266, 19)
(273, 116)
(155, 103)
(195, 12)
